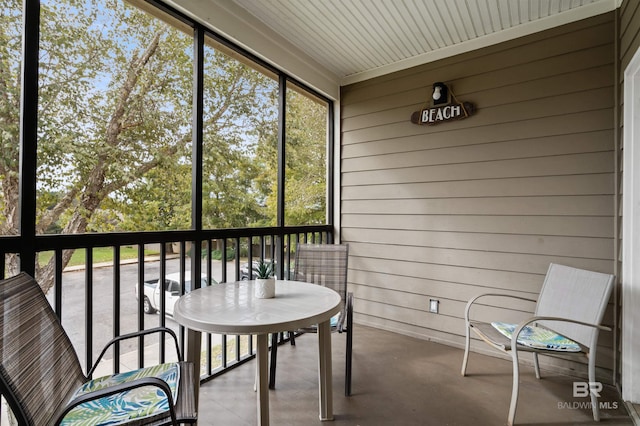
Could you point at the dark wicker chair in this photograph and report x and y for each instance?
(41, 376)
(326, 265)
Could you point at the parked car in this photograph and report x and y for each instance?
(151, 300)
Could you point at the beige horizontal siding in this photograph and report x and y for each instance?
(457, 149)
(521, 88)
(583, 250)
(569, 90)
(629, 31)
(531, 186)
(583, 205)
(455, 133)
(470, 267)
(424, 167)
(483, 204)
(590, 227)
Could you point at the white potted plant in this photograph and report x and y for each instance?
(265, 281)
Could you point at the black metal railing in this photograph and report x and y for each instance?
(99, 300)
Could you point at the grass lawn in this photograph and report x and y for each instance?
(100, 254)
(216, 353)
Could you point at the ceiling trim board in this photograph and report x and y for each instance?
(522, 30)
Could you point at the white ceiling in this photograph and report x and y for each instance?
(361, 39)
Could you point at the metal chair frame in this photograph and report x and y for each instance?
(40, 370)
(330, 271)
(572, 303)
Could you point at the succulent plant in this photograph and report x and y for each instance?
(264, 270)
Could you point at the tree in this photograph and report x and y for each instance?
(306, 162)
(159, 200)
(114, 117)
(10, 48)
(306, 157)
(110, 107)
(231, 196)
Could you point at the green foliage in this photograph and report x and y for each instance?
(115, 128)
(100, 255)
(264, 269)
(10, 61)
(159, 201)
(305, 192)
(306, 162)
(217, 254)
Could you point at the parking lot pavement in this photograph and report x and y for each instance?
(75, 307)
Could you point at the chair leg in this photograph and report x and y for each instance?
(349, 352)
(592, 380)
(536, 365)
(466, 351)
(514, 389)
(274, 360)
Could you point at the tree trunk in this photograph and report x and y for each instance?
(96, 187)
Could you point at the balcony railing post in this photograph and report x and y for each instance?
(116, 307)
(89, 306)
(163, 298)
(58, 283)
(141, 303)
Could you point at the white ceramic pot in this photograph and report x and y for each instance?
(265, 288)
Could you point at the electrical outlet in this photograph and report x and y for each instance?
(434, 305)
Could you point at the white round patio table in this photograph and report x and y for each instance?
(232, 308)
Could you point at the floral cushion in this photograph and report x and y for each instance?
(128, 405)
(334, 320)
(538, 337)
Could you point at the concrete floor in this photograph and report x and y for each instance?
(398, 380)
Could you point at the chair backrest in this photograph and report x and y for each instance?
(575, 294)
(323, 264)
(39, 368)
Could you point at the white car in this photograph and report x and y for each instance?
(171, 291)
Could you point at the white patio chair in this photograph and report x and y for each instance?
(568, 314)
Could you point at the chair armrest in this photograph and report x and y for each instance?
(131, 336)
(474, 299)
(523, 324)
(112, 390)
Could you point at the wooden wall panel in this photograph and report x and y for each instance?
(534, 245)
(629, 28)
(457, 134)
(568, 143)
(482, 204)
(529, 186)
(588, 205)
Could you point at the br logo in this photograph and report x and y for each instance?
(582, 389)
